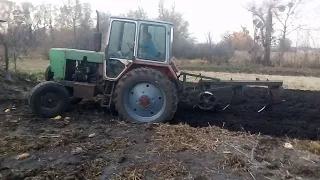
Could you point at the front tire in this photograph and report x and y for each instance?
(145, 95)
(49, 99)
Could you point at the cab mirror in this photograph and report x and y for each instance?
(97, 41)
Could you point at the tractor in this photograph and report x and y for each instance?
(134, 74)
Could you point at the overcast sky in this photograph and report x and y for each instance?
(216, 16)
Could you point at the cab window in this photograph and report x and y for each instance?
(152, 42)
(121, 40)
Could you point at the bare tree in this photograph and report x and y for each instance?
(104, 27)
(43, 19)
(209, 50)
(263, 25)
(138, 13)
(20, 34)
(182, 39)
(76, 14)
(244, 42)
(287, 15)
(6, 9)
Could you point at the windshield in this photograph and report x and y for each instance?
(121, 40)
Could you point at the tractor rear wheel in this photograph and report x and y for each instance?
(145, 95)
(49, 99)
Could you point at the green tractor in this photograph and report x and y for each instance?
(133, 73)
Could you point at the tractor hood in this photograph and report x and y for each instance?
(75, 54)
(59, 57)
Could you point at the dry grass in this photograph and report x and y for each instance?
(251, 152)
(235, 161)
(118, 144)
(290, 82)
(131, 172)
(307, 145)
(31, 65)
(164, 170)
(242, 58)
(177, 138)
(183, 137)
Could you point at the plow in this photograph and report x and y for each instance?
(134, 74)
(206, 93)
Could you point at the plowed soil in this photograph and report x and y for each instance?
(89, 143)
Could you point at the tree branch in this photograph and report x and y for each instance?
(256, 13)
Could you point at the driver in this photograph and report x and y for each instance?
(149, 47)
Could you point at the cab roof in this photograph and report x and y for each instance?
(140, 19)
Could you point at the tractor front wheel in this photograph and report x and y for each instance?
(145, 95)
(49, 99)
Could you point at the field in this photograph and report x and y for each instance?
(89, 143)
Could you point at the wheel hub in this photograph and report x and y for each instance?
(144, 101)
(49, 100)
(206, 101)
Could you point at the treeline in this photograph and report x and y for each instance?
(31, 30)
(72, 25)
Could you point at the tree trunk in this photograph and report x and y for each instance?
(281, 52)
(30, 38)
(74, 33)
(267, 53)
(6, 55)
(52, 32)
(267, 44)
(15, 62)
(282, 47)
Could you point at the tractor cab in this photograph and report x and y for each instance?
(132, 40)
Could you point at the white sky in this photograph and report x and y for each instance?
(216, 16)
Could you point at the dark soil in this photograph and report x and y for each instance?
(89, 143)
(297, 117)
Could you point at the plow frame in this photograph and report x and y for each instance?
(203, 91)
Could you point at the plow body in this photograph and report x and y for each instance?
(211, 93)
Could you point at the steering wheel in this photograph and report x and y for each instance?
(121, 54)
(127, 53)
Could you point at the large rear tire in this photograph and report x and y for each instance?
(49, 99)
(145, 95)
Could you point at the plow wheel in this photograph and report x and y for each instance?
(206, 101)
(49, 99)
(145, 95)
